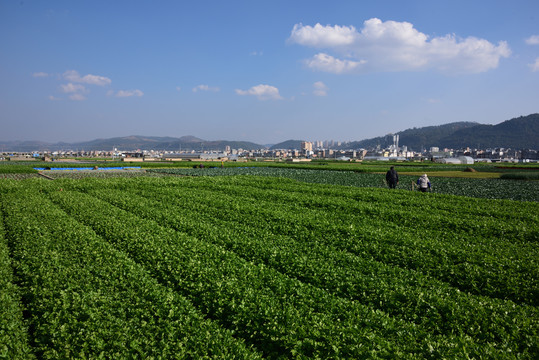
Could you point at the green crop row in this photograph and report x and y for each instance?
(293, 269)
(279, 315)
(17, 167)
(435, 212)
(521, 175)
(434, 305)
(501, 262)
(480, 188)
(493, 262)
(86, 300)
(13, 333)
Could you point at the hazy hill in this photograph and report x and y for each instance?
(517, 133)
(288, 144)
(415, 139)
(22, 146)
(131, 143)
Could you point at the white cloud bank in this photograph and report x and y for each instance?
(262, 92)
(76, 87)
(395, 46)
(323, 36)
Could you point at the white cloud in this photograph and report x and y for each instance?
(96, 80)
(327, 63)
(262, 92)
(74, 76)
(53, 98)
(76, 91)
(40, 74)
(205, 88)
(535, 65)
(178, 88)
(72, 88)
(395, 46)
(129, 93)
(323, 36)
(533, 40)
(471, 55)
(320, 89)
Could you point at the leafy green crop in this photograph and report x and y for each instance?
(86, 299)
(480, 188)
(260, 266)
(13, 333)
(407, 294)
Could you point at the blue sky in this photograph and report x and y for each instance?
(262, 71)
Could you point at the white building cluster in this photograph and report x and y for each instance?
(307, 151)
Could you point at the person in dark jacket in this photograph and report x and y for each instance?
(392, 178)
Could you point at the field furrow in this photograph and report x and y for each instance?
(263, 267)
(279, 315)
(409, 295)
(466, 260)
(13, 332)
(86, 300)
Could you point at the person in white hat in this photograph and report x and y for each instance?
(424, 183)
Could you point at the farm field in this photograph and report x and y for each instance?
(513, 181)
(473, 187)
(264, 266)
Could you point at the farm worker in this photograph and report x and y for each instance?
(392, 178)
(423, 183)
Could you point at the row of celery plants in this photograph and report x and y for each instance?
(280, 316)
(405, 294)
(496, 255)
(13, 332)
(479, 188)
(471, 214)
(491, 234)
(87, 300)
(503, 209)
(481, 264)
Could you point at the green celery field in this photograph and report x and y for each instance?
(268, 266)
(481, 188)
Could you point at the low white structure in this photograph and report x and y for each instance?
(466, 160)
(196, 156)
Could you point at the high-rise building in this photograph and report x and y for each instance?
(306, 146)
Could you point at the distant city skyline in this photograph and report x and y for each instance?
(263, 72)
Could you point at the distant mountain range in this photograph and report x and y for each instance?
(517, 133)
(131, 143)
